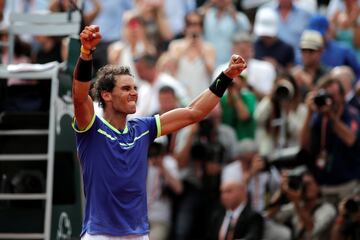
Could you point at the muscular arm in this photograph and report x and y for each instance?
(204, 103)
(181, 117)
(83, 104)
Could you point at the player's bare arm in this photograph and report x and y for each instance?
(204, 103)
(83, 105)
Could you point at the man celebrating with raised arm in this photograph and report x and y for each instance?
(113, 151)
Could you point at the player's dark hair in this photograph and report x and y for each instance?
(106, 81)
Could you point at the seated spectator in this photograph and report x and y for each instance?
(279, 117)
(236, 220)
(334, 54)
(330, 134)
(312, 70)
(268, 46)
(307, 214)
(195, 56)
(19, 94)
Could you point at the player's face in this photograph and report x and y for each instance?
(124, 95)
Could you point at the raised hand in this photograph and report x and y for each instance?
(236, 66)
(90, 37)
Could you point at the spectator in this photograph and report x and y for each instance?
(133, 45)
(195, 57)
(236, 220)
(168, 102)
(268, 47)
(292, 22)
(331, 135)
(260, 177)
(19, 94)
(168, 63)
(279, 117)
(177, 17)
(312, 70)
(110, 21)
(346, 23)
(163, 180)
(238, 106)
(334, 53)
(148, 93)
(347, 78)
(347, 224)
(221, 21)
(22, 6)
(250, 7)
(2, 7)
(156, 23)
(260, 75)
(73, 5)
(201, 151)
(309, 216)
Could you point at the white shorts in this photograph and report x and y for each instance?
(105, 237)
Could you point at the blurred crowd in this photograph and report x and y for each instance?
(279, 157)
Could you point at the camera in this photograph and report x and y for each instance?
(295, 178)
(321, 98)
(284, 91)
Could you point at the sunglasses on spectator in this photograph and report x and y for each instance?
(304, 50)
(193, 23)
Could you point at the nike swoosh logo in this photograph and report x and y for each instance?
(217, 82)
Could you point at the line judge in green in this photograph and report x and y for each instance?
(113, 150)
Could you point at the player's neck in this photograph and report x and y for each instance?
(118, 121)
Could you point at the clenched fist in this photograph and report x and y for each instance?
(90, 37)
(236, 66)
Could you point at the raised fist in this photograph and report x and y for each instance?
(90, 37)
(236, 66)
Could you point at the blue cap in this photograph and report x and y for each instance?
(319, 23)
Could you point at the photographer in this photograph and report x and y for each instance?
(330, 134)
(279, 117)
(307, 215)
(347, 224)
